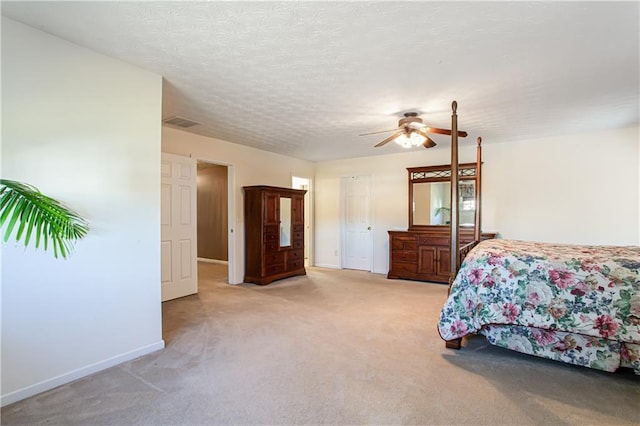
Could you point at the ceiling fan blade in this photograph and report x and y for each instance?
(444, 131)
(389, 139)
(428, 143)
(375, 133)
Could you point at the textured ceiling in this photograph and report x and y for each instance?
(306, 78)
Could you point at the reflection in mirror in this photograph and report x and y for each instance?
(285, 222)
(432, 203)
(467, 193)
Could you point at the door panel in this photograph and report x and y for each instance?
(178, 227)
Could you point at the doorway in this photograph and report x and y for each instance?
(305, 183)
(213, 213)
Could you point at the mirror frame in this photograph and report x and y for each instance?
(440, 173)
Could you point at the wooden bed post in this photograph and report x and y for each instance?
(455, 214)
(455, 217)
(478, 231)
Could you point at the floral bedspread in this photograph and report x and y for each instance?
(573, 303)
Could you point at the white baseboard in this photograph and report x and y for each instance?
(65, 378)
(328, 266)
(205, 260)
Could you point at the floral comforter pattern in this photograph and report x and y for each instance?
(573, 303)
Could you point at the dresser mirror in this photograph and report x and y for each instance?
(285, 221)
(430, 195)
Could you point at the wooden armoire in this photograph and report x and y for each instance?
(273, 233)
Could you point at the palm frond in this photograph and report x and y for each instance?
(53, 222)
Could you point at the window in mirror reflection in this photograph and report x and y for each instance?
(467, 203)
(432, 203)
(285, 222)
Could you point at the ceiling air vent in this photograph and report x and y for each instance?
(180, 122)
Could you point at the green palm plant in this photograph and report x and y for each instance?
(39, 217)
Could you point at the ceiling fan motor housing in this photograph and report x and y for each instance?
(410, 118)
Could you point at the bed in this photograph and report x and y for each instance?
(572, 303)
(577, 304)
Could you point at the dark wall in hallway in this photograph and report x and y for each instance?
(212, 211)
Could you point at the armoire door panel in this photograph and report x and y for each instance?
(271, 205)
(297, 210)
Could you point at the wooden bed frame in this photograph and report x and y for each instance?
(458, 253)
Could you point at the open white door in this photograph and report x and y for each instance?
(179, 273)
(356, 222)
(305, 183)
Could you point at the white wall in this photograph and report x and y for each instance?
(580, 189)
(250, 166)
(84, 129)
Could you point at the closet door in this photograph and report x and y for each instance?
(356, 222)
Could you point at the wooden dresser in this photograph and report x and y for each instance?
(424, 255)
(273, 233)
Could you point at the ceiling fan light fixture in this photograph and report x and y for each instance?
(410, 140)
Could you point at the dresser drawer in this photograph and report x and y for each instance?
(274, 269)
(397, 244)
(400, 267)
(404, 242)
(297, 244)
(433, 241)
(410, 245)
(271, 246)
(273, 257)
(405, 256)
(292, 265)
(271, 234)
(295, 255)
(271, 238)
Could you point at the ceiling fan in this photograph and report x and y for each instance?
(412, 131)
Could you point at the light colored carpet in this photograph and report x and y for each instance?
(333, 347)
